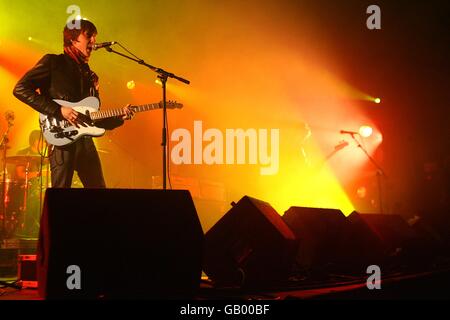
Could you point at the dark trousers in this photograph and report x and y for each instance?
(80, 156)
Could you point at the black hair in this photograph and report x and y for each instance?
(70, 34)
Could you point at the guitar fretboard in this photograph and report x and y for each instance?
(103, 114)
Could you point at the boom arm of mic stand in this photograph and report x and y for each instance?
(160, 71)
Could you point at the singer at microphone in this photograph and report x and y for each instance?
(348, 132)
(69, 75)
(103, 45)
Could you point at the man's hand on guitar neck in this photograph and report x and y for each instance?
(129, 112)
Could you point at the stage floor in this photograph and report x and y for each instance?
(416, 286)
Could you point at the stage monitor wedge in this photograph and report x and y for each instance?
(119, 243)
(383, 235)
(250, 246)
(322, 234)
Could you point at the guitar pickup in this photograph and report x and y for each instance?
(56, 129)
(66, 134)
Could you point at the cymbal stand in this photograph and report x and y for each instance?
(9, 116)
(44, 154)
(25, 193)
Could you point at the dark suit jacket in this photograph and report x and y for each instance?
(58, 77)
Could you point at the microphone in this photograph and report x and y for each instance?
(103, 45)
(348, 132)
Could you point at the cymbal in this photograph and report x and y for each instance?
(23, 160)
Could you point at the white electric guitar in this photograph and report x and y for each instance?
(61, 132)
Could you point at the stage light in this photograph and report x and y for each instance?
(361, 192)
(377, 100)
(158, 82)
(30, 38)
(365, 131)
(131, 84)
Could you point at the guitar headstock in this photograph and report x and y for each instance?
(172, 105)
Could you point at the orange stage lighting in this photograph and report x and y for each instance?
(365, 131)
(131, 84)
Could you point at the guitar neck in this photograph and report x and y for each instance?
(110, 113)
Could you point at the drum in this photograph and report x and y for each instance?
(31, 209)
(22, 207)
(13, 197)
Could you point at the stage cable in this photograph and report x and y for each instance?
(168, 150)
(43, 152)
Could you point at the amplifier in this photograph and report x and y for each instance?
(28, 270)
(8, 263)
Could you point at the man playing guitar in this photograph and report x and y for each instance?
(68, 77)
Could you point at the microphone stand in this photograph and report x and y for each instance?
(163, 76)
(380, 171)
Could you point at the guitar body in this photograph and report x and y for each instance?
(61, 132)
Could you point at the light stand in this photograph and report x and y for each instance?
(162, 76)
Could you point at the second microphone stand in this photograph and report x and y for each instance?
(380, 172)
(162, 76)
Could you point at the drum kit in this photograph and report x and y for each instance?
(21, 188)
(22, 194)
